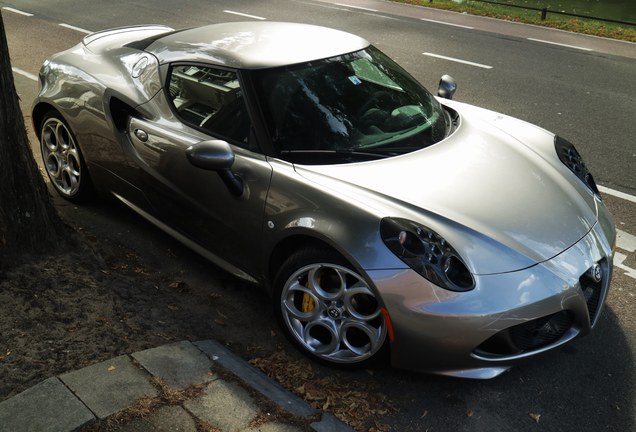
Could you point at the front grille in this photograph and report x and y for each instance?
(528, 336)
(592, 290)
(540, 332)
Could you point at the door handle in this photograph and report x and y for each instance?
(141, 135)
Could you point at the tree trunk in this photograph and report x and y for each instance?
(28, 220)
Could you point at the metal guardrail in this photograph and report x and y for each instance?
(545, 11)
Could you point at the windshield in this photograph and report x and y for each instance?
(356, 106)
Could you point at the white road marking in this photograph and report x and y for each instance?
(24, 73)
(244, 15)
(326, 6)
(625, 241)
(355, 7)
(617, 194)
(447, 23)
(458, 60)
(619, 259)
(79, 29)
(68, 26)
(10, 9)
(560, 44)
(377, 15)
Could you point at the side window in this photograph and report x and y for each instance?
(210, 99)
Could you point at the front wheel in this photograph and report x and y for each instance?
(328, 310)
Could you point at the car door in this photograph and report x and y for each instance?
(196, 203)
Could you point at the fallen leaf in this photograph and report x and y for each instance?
(327, 404)
(178, 285)
(535, 417)
(469, 412)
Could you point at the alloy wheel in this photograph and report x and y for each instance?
(331, 311)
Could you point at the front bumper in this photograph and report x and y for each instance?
(507, 317)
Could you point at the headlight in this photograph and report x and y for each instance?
(573, 160)
(427, 253)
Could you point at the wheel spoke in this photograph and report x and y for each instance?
(361, 303)
(53, 165)
(49, 139)
(70, 179)
(361, 338)
(302, 304)
(72, 161)
(326, 282)
(61, 135)
(321, 337)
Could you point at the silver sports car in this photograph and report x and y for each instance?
(385, 222)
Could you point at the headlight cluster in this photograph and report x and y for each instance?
(427, 253)
(572, 159)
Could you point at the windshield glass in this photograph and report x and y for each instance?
(360, 104)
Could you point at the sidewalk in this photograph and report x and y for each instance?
(221, 394)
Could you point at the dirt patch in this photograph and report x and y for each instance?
(356, 402)
(101, 298)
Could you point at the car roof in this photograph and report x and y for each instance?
(254, 45)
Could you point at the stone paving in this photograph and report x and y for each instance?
(78, 399)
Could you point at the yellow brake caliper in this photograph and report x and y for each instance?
(309, 304)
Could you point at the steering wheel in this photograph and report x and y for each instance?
(379, 100)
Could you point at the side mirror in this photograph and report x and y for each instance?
(447, 87)
(216, 155)
(211, 155)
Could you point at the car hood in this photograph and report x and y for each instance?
(495, 175)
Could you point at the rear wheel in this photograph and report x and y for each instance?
(328, 310)
(63, 159)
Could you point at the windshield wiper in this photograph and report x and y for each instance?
(341, 152)
(310, 156)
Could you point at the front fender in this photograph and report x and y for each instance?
(297, 206)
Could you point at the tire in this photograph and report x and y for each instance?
(329, 311)
(63, 159)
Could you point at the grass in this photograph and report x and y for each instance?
(579, 25)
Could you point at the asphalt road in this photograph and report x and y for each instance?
(585, 91)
